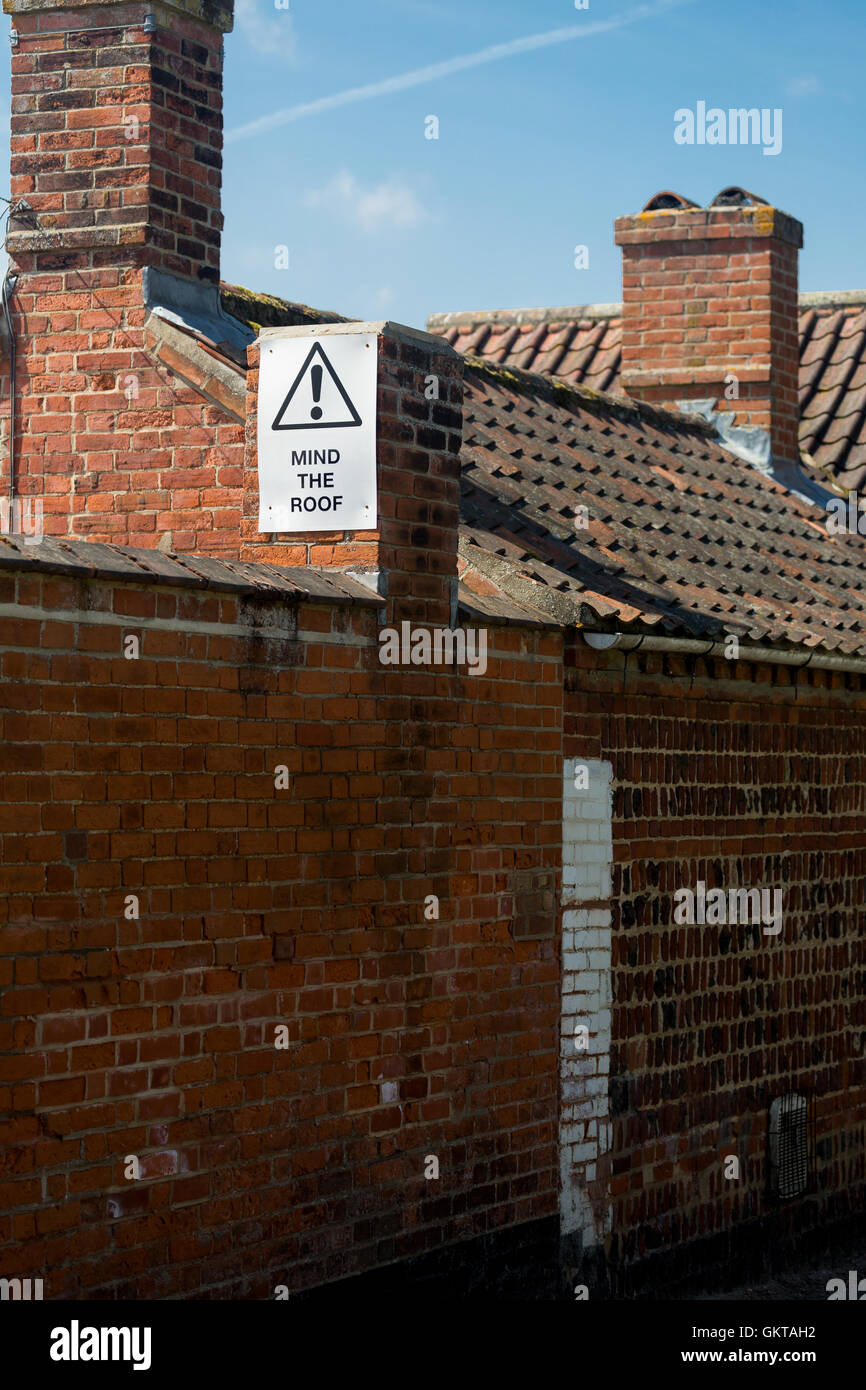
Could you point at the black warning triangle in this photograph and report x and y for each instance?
(307, 408)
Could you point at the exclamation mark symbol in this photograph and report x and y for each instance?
(316, 374)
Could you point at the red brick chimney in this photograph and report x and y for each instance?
(710, 309)
(117, 131)
(116, 159)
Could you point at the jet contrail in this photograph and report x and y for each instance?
(446, 69)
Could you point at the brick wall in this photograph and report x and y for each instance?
(116, 147)
(711, 294)
(756, 781)
(409, 1035)
(160, 467)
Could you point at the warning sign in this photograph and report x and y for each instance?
(317, 399)
(317, 431)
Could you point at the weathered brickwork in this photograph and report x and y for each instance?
(410, 1035)
(116, 148)
(115, 447)
(759, 781)
(584, 1126)
(710, 311)
(414, 548)
(117, 131)
(220, 813)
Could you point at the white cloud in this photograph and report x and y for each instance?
(803, 86)
(513, 48)
(266, 29)
(390, 204)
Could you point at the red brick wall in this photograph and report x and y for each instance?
(154, 1037)
(731, 783)
(708, 292)
(117, 448)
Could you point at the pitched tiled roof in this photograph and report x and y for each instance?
(833, 387)
(681, 535)
(578, 344)
(581, 345)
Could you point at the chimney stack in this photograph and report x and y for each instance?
(710, 309)
(117, 132)
(116, 157)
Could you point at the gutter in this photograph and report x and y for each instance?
(693, 646)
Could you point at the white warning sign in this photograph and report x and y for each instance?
(317, 432)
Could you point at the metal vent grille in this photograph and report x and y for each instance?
(792, 1146)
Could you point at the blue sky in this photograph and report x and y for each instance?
(537, 152)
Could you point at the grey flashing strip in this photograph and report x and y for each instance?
(752, 444)
(791, 476)
(748, 442)
(193, 305)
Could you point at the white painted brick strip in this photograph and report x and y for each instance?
(584, 1133)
